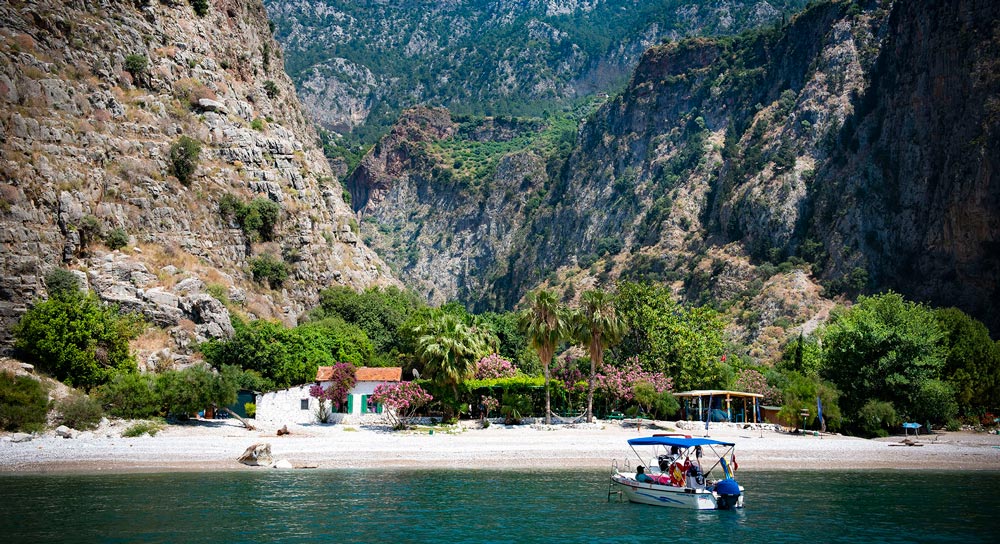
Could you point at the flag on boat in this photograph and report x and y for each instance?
(736, 466)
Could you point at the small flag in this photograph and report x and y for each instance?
(708, 417)
(736, 465)
(819, 413)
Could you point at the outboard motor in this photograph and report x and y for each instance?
(728, 492)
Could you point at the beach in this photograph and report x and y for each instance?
(215, 445)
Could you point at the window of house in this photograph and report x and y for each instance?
(304, 404)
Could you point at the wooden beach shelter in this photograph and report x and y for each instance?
(720, 405)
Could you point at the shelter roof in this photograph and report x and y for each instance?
(717, 393)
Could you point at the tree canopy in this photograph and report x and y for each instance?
(77, 338)
(883, 348)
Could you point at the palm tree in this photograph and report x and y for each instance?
(598, 327)
(450, 348)
(545, 324)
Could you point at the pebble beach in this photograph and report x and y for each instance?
(215, 445)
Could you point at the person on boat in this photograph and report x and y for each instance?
(641, 476)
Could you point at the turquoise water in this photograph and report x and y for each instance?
(483, 506)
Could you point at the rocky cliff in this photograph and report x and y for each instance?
(356, 64)
(848, 151)
(95, 97)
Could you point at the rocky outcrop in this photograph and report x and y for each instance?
(94, 96)
(442, 234)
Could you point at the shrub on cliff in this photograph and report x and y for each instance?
(257, 219)
(271, 88)
(200, 7)
(24, 404)
(116, 239)
(184, 158)
(269, 269)
(60, 282)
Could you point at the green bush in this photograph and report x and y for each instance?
(88, 229)
(188, 391)
(184, 158)
(200, 7)
(136, 65)
(261, 216)
(80, 412)
(257, 219)
(876, 417)
(116, 239)
(61, 282)
(24, 404)
(270, 269)
(271, 88)
(250, 409)
(130, 395)
(78, 339)
(257, 124)
(141, 428)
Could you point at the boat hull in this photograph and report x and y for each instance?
(671, 496)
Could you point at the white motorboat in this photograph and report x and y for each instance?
(676, 477)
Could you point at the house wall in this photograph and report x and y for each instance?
(357, 393)
(285, 406)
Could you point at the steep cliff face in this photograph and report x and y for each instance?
(446, 202)
(912, 191)
(849, 151)
(857, 142)
(359, 63)
(93, 97)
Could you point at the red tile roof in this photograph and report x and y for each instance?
(365, 374)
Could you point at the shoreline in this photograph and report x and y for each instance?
(215, 445)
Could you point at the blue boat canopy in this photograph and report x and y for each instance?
(675, 441)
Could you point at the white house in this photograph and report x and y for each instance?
(295, 405)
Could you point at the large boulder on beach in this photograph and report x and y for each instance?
(66, 432)
(257, 455)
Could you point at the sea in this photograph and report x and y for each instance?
(489, 506)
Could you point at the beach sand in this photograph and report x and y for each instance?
(214, 445)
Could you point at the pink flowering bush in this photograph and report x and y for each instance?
(341, 383)
(489, 404)
(402, 399)
(493, 367)
(753, 381)
(617, 382)
(566, 369)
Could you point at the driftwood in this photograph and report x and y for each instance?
(245, 423)
(907, 442)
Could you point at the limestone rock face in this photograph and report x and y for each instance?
(94, 96)
(257, 455)
(849, 151)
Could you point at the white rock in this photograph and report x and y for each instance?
(284, 463)
(66, 432)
